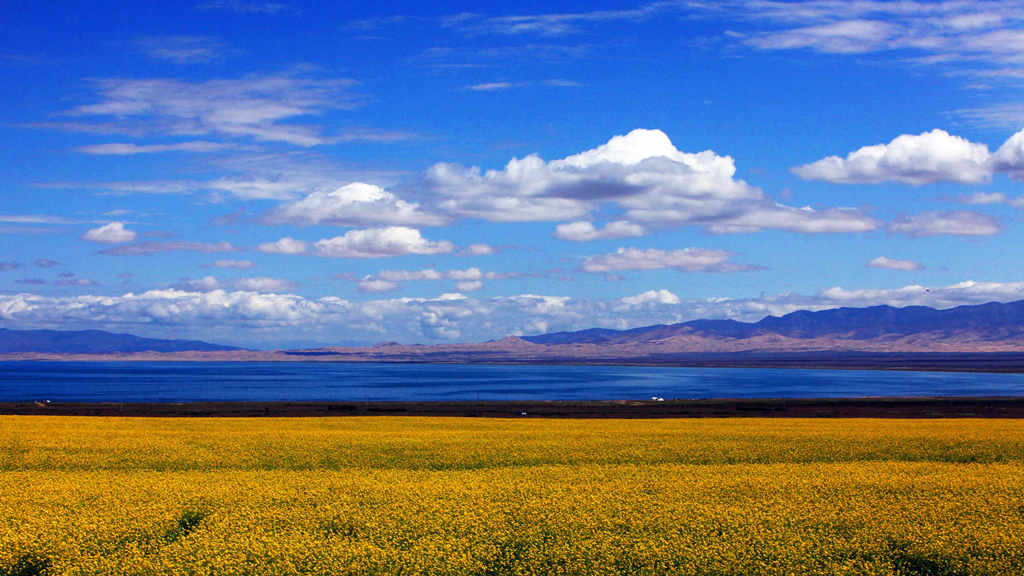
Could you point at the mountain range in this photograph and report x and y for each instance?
(93, 342)
(984, 328)
(993, 321)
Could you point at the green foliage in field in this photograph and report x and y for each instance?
(476, 497)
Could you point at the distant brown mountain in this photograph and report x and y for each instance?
(879, 330)
(991, 322)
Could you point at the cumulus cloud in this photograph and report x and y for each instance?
(912, 159)
(1009, 158)
(380, 243)
(355, 204)
(642, 173)
(111, 233)
(957, 223)
(466, 280)
(650, 298)
(262, 284)
(237, 264)
(584, 231)
(686, 260)
(286, 245)
(894, 264)
(237, 315)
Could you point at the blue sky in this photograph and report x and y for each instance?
(271, 173)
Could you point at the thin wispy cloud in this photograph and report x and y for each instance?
(145, 248)
(182, 49)
(261, 108)
(553, 24)
(129, 149)
(495, 86)
(245, 7)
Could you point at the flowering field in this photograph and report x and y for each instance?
(399, 495)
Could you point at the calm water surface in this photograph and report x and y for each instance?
(311, 381)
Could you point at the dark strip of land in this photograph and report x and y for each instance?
(781, 408)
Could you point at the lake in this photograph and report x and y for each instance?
(318, 381)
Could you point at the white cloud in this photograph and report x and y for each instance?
(1008, 115)
(32, 219)
(144, 248)
(913, 159)
(480, 249)
(237, 264)
(262, 284)
(984, 198)
(687, 260)
(371, 284)
(111, 233)
(254, 107)
(467, 274)
(894, 264)
(286, 245)
(73, 280)
(805, 219)
(204, 284)
(408, 275)
(649, 298)
(844, 37)
(983, 34)
(243, 7)
(255, 188)
(1009, 158)
(495, 86)
(466, 280)
(380, 243)
(129, 149)
(644, 174)
(584, 231)
(957, 223)
(263, 318)
(182, 49)
(355, 204)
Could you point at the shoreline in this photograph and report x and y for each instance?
(975, 362)
(873, 407)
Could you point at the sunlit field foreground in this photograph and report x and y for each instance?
(397, 495)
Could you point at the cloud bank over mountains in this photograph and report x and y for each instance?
(248, 316)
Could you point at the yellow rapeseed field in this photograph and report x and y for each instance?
(399, 495)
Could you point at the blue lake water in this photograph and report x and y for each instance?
(313, 381)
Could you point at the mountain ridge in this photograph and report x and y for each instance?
(95, 342)
(1001, 320)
